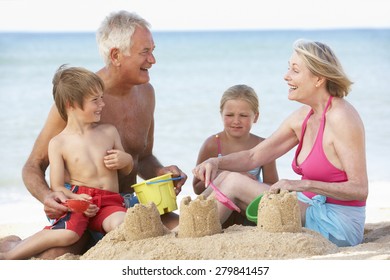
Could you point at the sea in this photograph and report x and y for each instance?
(192, 71)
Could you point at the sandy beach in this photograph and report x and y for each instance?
(235, 242)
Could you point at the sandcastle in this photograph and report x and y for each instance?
(198, 217)
(276, 213)
(279, 212)
(142, 221)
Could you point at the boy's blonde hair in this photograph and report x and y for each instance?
(71, 85)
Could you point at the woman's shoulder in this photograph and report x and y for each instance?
(343, 110)
(343, 117)
(296, 118)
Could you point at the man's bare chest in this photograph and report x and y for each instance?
(133, 127)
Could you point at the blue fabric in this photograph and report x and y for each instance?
(342, 225)
(130, 199)
(68, 186)
(256, 172)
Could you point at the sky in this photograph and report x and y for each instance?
(86, 15)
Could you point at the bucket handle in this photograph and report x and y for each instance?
(164, 180)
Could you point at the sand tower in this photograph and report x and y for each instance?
(199, 217)
(279, 212)
(142, 221)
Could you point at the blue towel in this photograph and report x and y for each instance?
(342, 225)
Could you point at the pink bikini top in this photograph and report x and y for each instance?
(317, 166)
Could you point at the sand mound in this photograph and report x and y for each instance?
(279, 212)
(198, 218)
(236, 242)
(200, 236)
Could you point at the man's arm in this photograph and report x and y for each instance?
(149, 166)
(33, 172)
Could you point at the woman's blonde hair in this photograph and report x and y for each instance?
(322, 61)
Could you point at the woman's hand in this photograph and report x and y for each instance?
(206, 171)
(289, 185)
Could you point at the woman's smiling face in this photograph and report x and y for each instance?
(299, 78)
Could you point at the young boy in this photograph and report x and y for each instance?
(84, 162)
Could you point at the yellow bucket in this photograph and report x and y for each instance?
(159, 190)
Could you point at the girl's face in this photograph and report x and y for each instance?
(238, 117)
(301, 82)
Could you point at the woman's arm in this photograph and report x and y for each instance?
(279, 143)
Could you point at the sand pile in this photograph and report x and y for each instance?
(200, 237)
(279, 212)
(142, 221)
(236, 242)
(198, 218)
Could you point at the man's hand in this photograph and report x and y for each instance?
(52, 205)
(176, 172)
